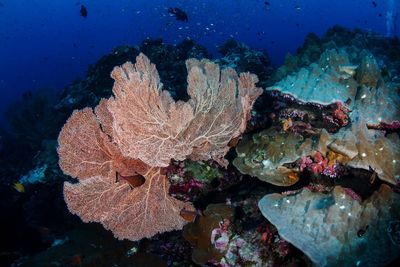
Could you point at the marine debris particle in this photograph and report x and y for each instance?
(83, 11)
(178, 13)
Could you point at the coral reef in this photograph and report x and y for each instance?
(322, 140)
(385, 50)
(333, 224)
(359, 100)
(242, 58)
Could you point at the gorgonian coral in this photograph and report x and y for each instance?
(118, 152)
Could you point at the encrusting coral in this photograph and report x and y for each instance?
(265, 154)
(118, 151)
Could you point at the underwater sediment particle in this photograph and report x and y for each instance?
(265, 154)
(334, 229)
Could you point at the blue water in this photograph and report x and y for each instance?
(47, 44)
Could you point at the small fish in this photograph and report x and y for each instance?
(19, 187)
(178, 13)
(75, 260)
(188, 215)
(373, 177)
(233, 142)
(297, 7)
(83, 11)
(374, 3)
(134, 181)
(362, 231)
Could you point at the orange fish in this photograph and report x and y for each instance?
(286, 124)
(74, 260)
(133, 180)
(188, 215)
(233, 142)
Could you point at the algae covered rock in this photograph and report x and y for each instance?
(265, 154)
(202, 171)
(336, 230)
(198, 233)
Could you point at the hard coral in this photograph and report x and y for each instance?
(267, 153)
(118, 151)
(200, 232)
(328, 227)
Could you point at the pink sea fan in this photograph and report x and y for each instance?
(118, 152)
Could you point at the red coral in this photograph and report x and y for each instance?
(137, 132)
(391, 127)
(340, 114)
(352, 194)
(305, 161)
(336, 117)
(317, 164)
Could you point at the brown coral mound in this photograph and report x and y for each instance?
(265, 154)
(198, 233)
(137, 132)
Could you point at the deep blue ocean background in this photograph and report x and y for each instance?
(315, 139)
(47, 44)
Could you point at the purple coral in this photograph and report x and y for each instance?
(391, 127)
(352, 194)
(220, 235)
